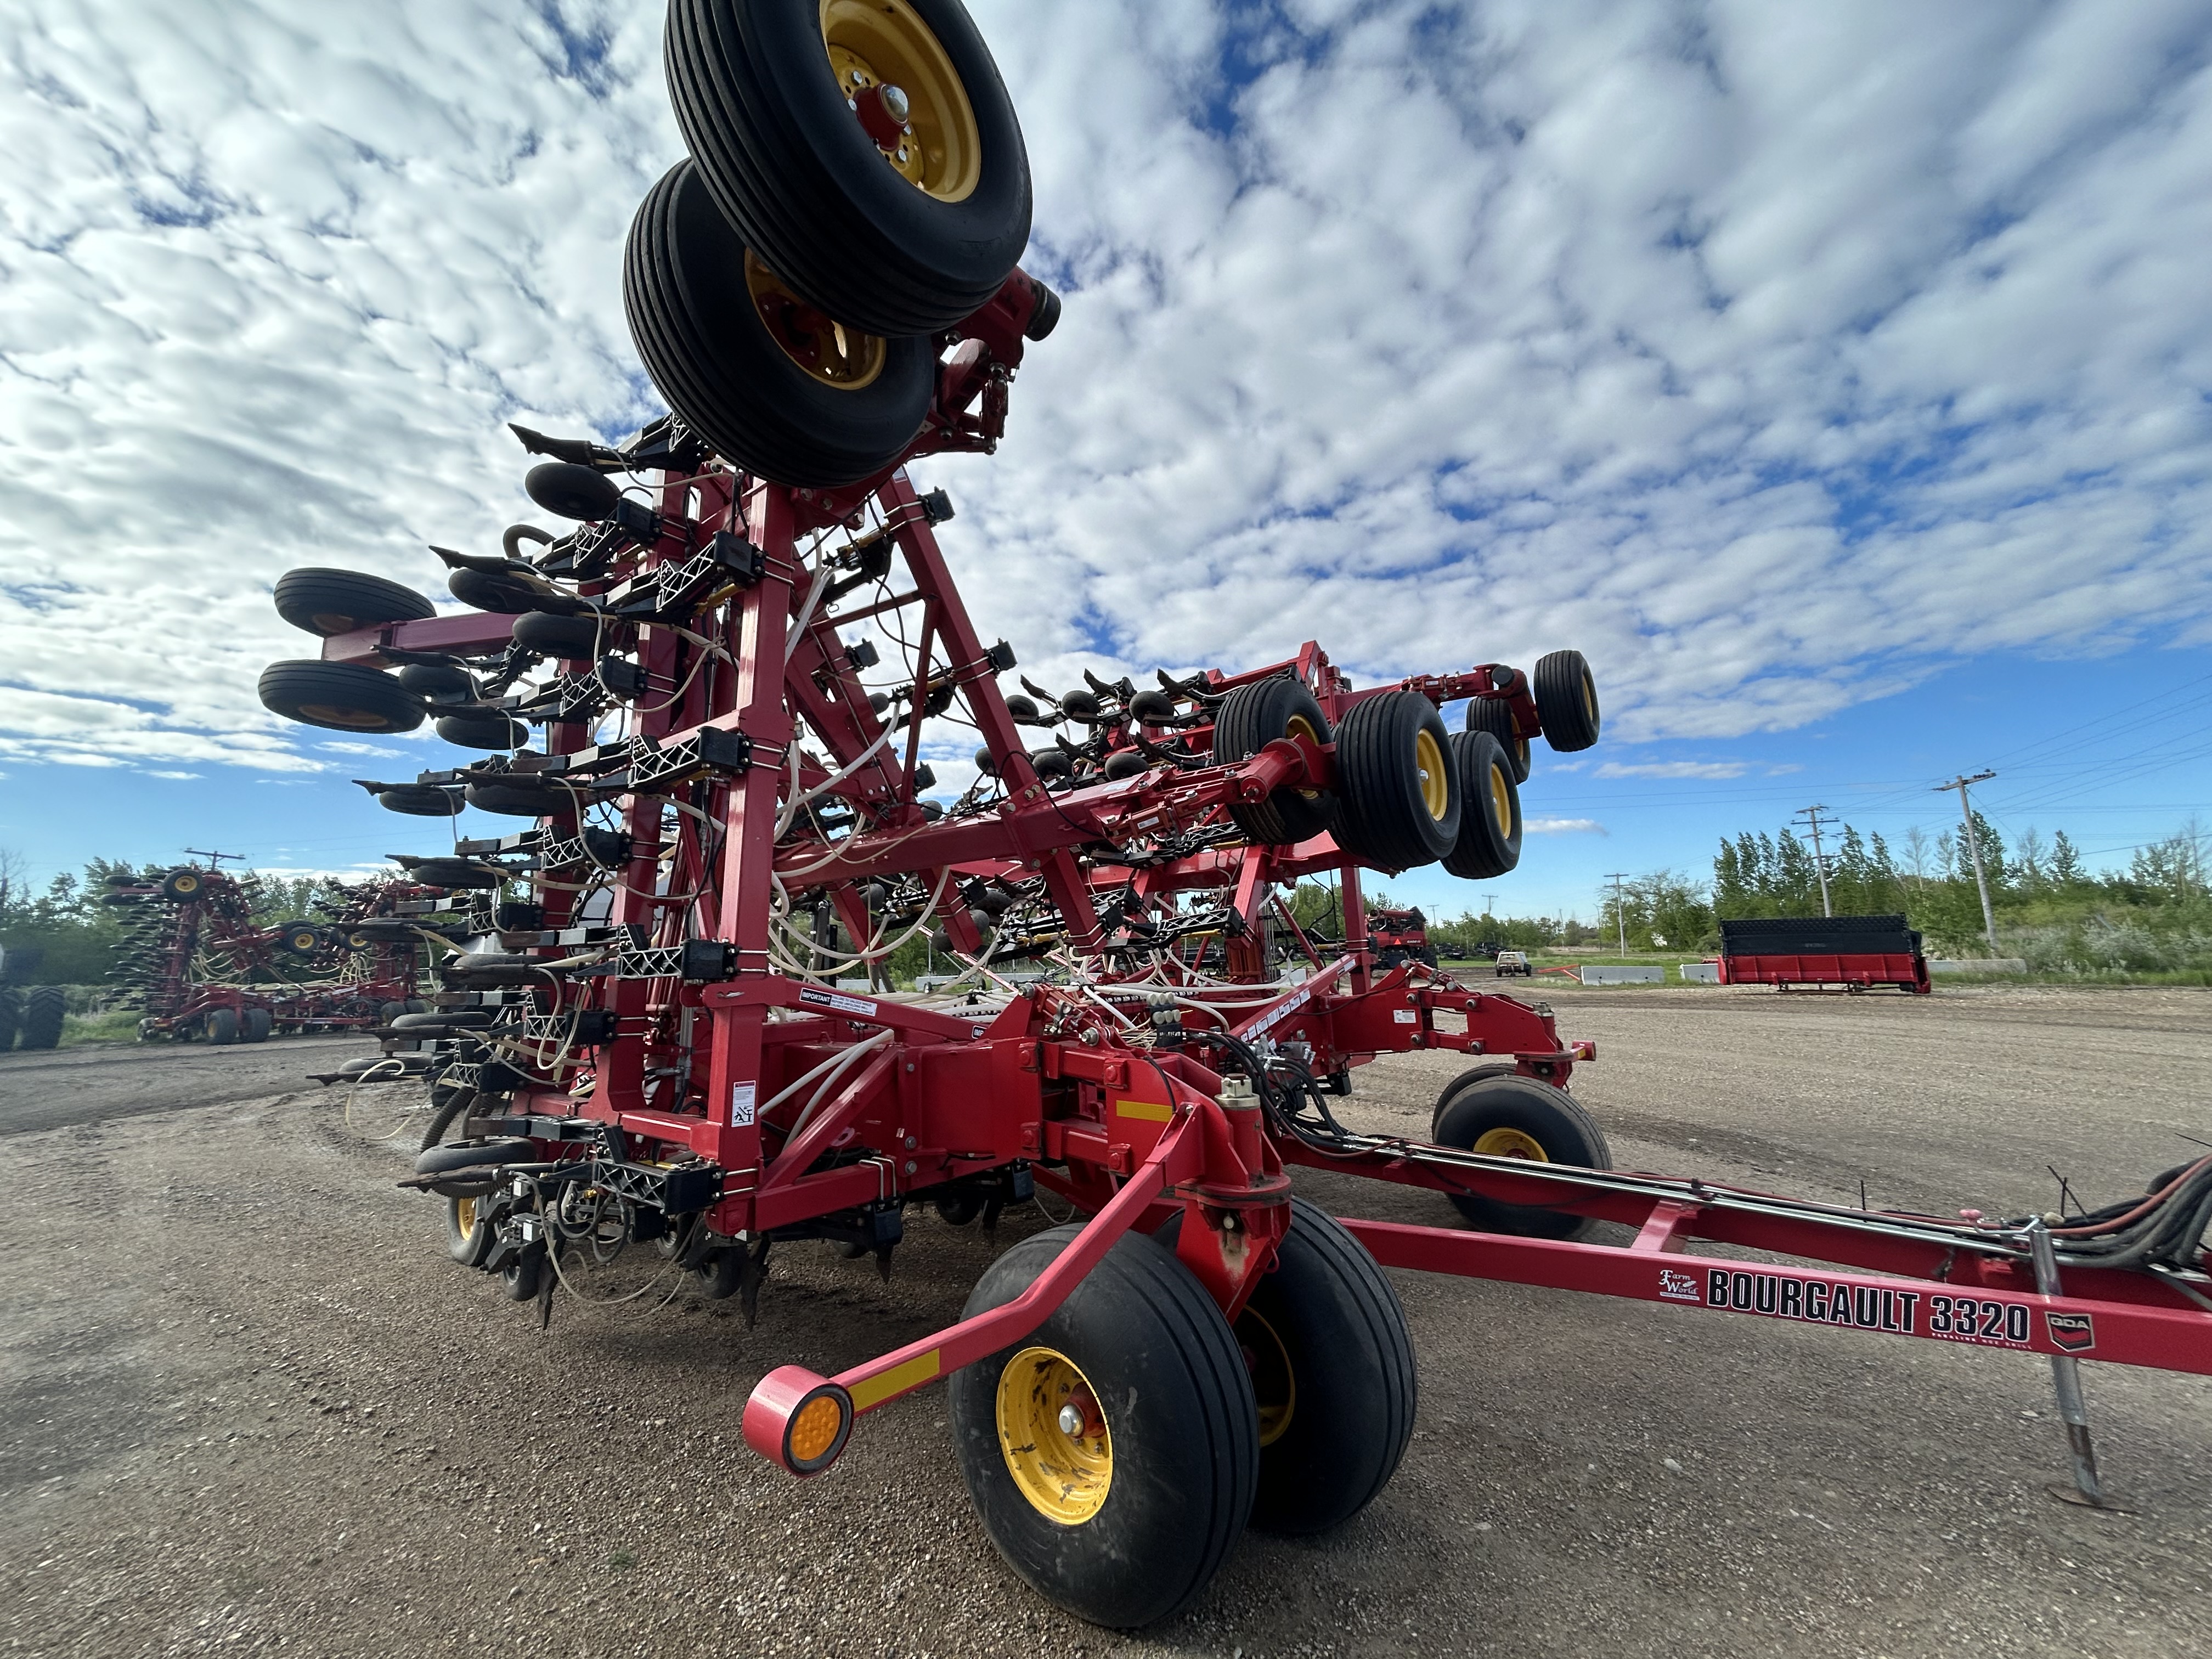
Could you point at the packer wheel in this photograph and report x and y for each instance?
(901, 221)
(1502, 1113)
(1113, 1452)
(255, 1025)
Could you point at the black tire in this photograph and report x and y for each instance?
(333, 602)
(184, 886)
(959, 1209)
(1464, 1080)
(255, 1025)
(388, 1011)
(221, 1027)
(468, 1233)
(299, 939)
(1179, 1427)
(516, 799)
(1490, 825)
(688, 293)
(419, 800)
(462, 874)
(569, 489)
(524, 1276)
(437, 681)
(11, 1016)
(45, 1009)
(340, 697)
(1519, 1109)
(1393, 764)
(499, 591)
(1567, 700)
(449, 1157)
(1324, 1341)
(493, 731)
(572, 638)
(791, 167)
(1495, 716)
(1249, 719)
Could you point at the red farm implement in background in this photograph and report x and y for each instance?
(731, 664)
(196, 964)
(1853, 953)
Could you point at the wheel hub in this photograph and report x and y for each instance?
(1054, 1436)
(900, 83)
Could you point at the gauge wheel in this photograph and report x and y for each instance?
(1401, 794)
(340, 697)
(1249, 719)
(1495, 716)
(1509, 1115)
(899, 220)
(1113, 1452)
(1566, 700)
(775, 383)
(333, 602)
(1490, 825)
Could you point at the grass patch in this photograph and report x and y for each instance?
(117, 1025)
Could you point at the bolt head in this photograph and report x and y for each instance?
(1070, 1421)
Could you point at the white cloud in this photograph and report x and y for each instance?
(1775, 357)
(1562, 827)
(1673, 769)
(176, 775)
(359, 748)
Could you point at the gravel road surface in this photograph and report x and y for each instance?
(251, 1407)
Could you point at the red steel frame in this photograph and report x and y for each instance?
(1061, 1079)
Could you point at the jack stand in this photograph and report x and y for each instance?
(2088, 1490)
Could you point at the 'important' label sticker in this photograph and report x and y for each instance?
(742, 1096)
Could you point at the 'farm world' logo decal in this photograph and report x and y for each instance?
(1982, 1320)
(2074, 1333)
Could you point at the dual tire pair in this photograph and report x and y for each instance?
(1408, 793)
(1116, 1454)
(787, 285)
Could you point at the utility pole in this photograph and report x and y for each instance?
(214, 860)
(1974, 846)
(1619, 908)
(1812, 817)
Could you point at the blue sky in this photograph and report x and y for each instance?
(1838, 380)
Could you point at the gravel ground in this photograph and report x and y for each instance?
(252, 1407)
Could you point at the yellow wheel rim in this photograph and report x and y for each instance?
(1299, 727)
(464, 1216)
(187, 884)
(825, 349)
(1589, 696)
(884, 43)
(1502, 1142)
(1436, 787)
(1053, 1433)
(1274, 1384)
(1501, 800)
